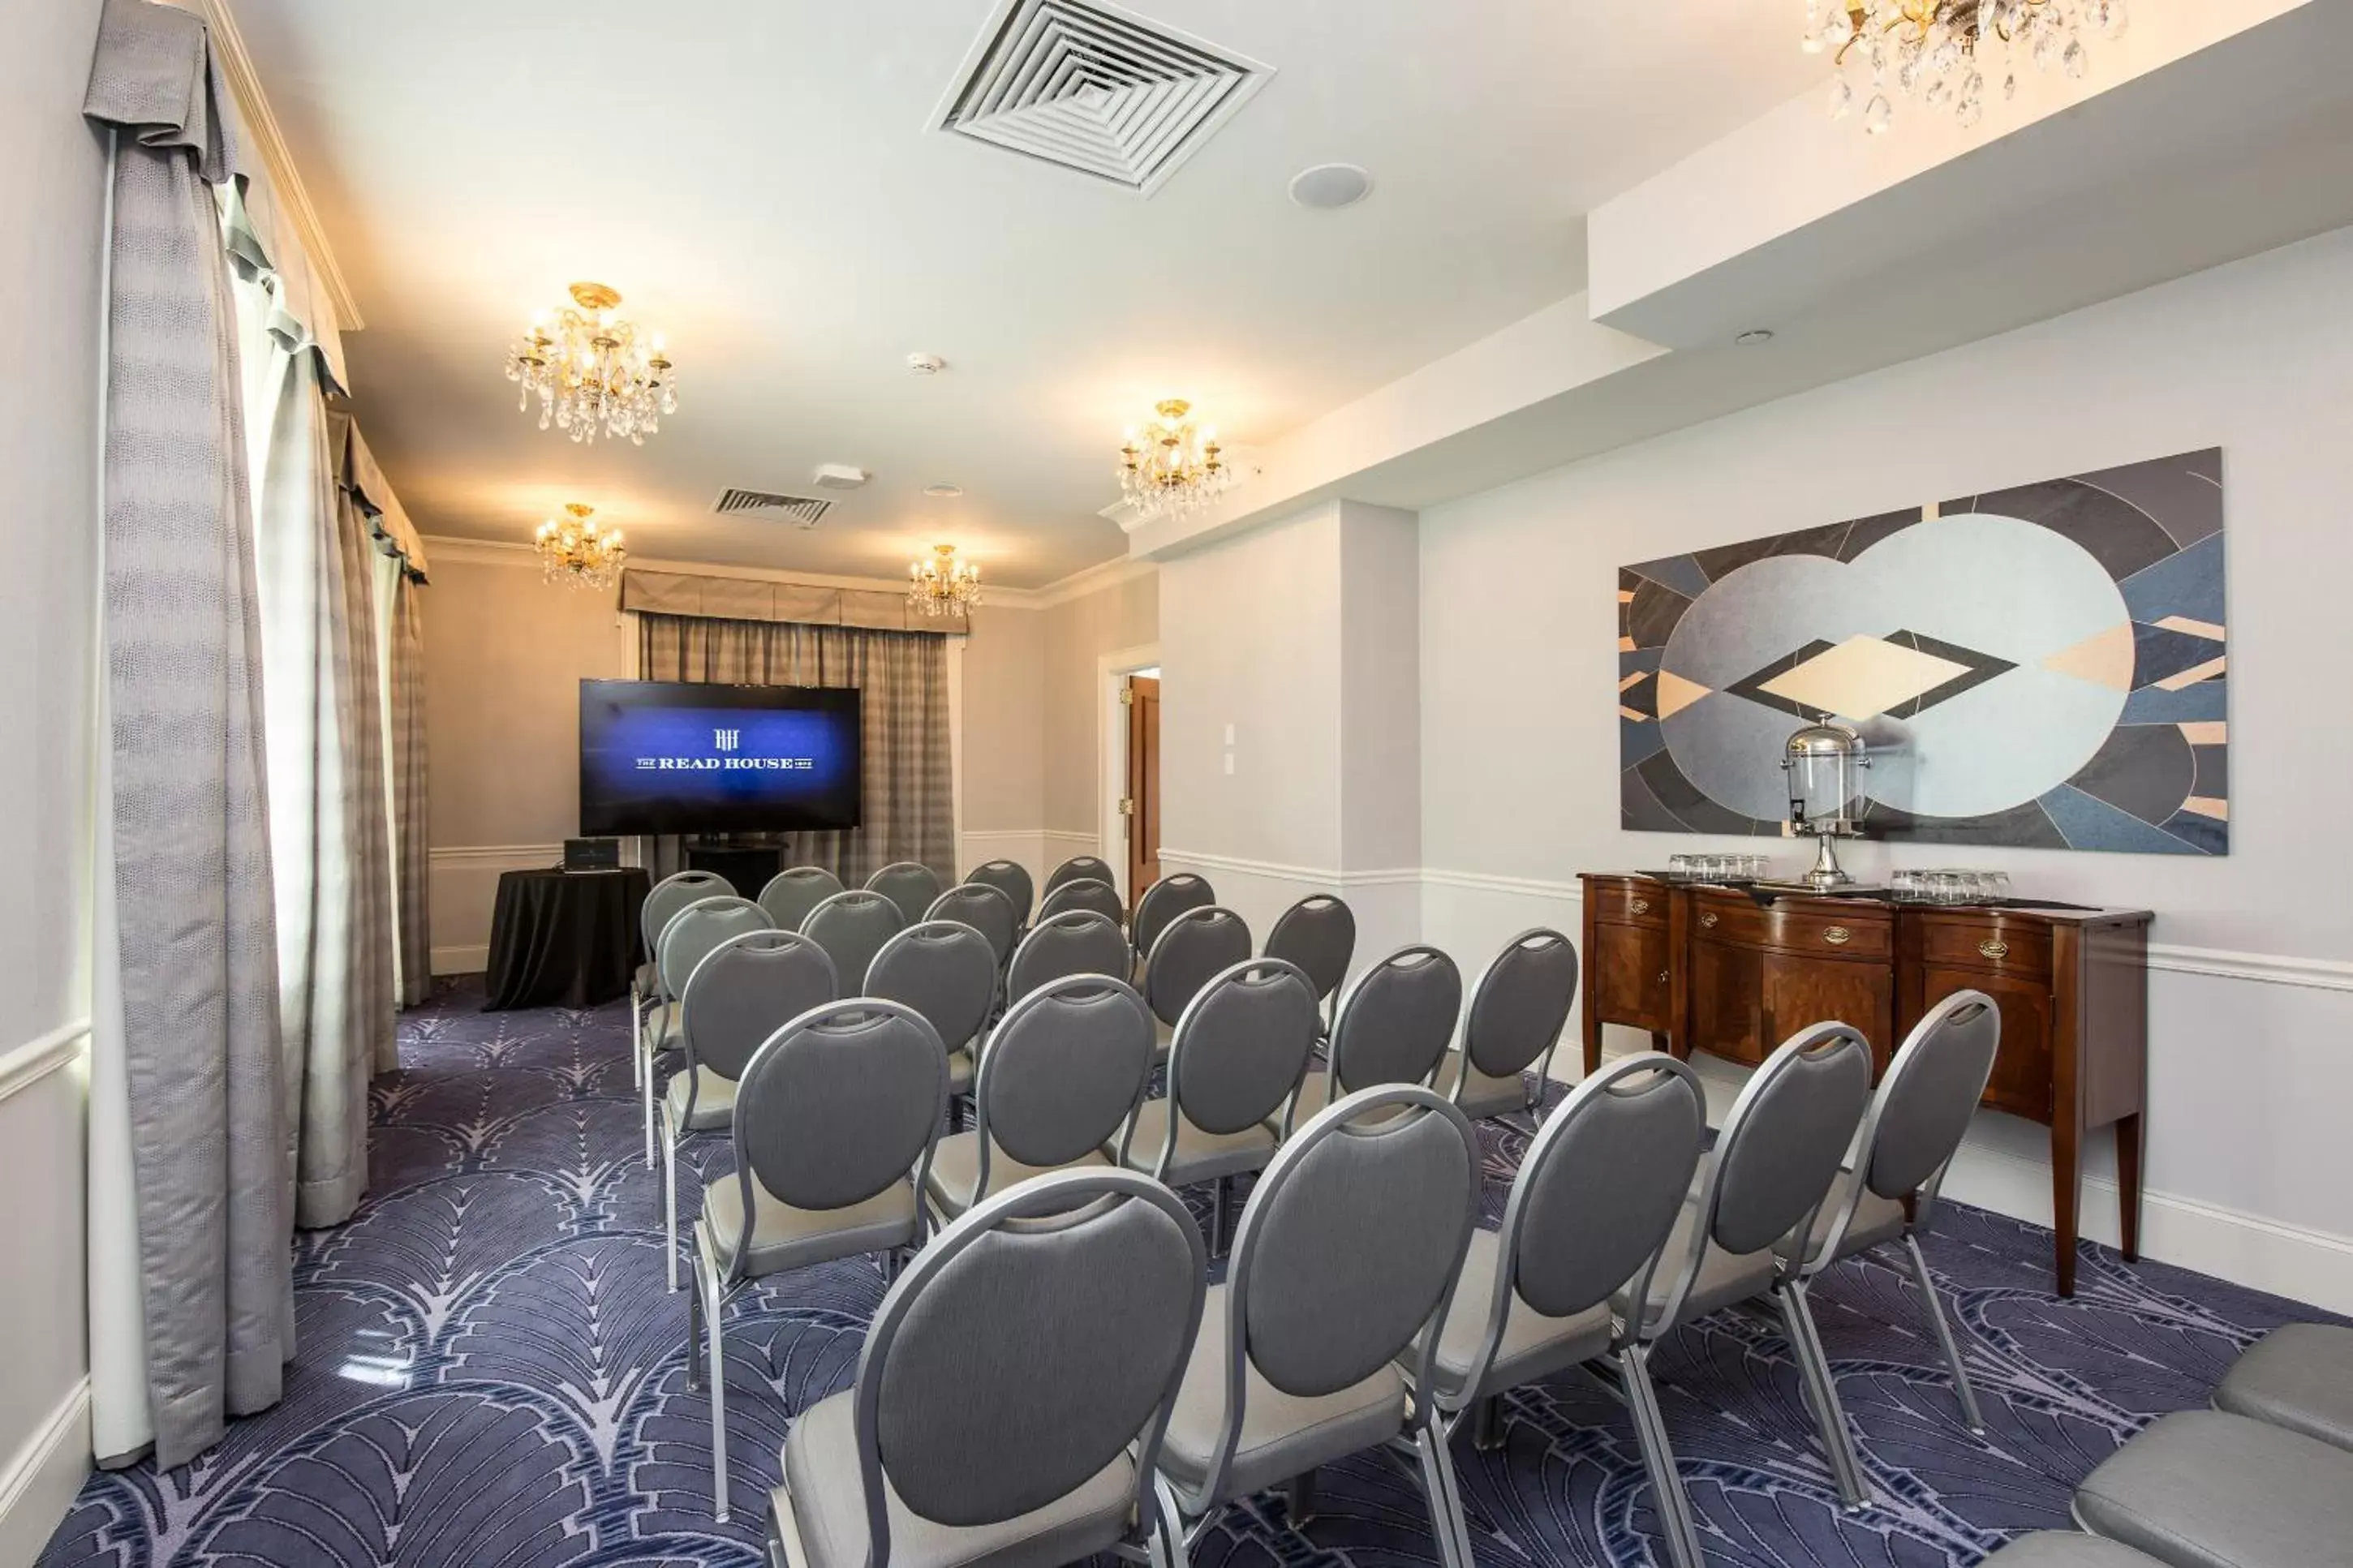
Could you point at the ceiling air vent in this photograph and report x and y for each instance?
(1095, 89)
(801, 511)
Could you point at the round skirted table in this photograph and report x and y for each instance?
(564, 939)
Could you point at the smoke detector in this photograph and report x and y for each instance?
(942, 491)
(1329, 185)
(925, 364)
(840, 475)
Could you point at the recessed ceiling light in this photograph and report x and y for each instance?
(1754, 336)
(944, 489)
(926, 364)
(1328, 186)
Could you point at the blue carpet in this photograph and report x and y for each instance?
(492, 1373)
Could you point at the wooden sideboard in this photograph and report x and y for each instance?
(1712, 969)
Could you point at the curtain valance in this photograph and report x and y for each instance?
(758, 599)
(264, 246)
(356, 471)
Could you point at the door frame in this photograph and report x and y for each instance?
(1112, 671)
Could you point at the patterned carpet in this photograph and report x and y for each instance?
(492, 1373)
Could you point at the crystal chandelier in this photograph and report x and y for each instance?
(943, 585)
(575, 552)
(593, 374)
(1171, 468)
(1941, 54)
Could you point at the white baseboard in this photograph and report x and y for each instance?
(43, 1478)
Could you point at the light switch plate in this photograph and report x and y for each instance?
(1230, 739)
(1230, 764)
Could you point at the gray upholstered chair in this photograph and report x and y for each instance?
(1079, 868)
(1593, 1206)
(1517, 1012)
(1909, 1137)
(984, 909)
(1078, 941)
(910, 884)
(794, 891)
(669, 896)
(1011, 878)
(686, 940)
(852, 927)
(2063, 1549)
(836, 1118)
(1193, 947)
(946, 972)
(743, 992)
(1319, 934)
(1085, 893)
(1344, 1260)
(2299, 1377)
(1060, 1073)
(1163, 901)
(1392, 1027)
(2205, 1488)
(1240, 1047)
(1772, 1167)
(977, 1436)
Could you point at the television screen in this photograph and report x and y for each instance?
(689, 757)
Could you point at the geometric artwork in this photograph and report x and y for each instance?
(2043, 665)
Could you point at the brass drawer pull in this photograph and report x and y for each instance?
(1837, 936)
(1640, 906)
(1664, 977)
(1994, 947)
(1709, 918)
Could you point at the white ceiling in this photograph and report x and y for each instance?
(759, 180)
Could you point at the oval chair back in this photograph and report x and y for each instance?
(696, 929)
(1395, 1020)
(1077, 943)
(1163, 901)
(794, 891)
(1521, 1004)
(1009, 878)
(669, 896)
(1085, 893)
(943, 970)
(1931, 1092)
(743, 990)
(1242, 1045)
(1194, 946)
(1062, 1072)
(910, 884)
(986, 909)
(1079, 868)
(851, 926)
(839, 1104)
(1318, 933)
(1107, 1269)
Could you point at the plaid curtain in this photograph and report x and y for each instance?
(412, 856)
(909, 808)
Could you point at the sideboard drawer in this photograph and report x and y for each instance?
(1630, 902)
(1866, 932)
(1986, 942)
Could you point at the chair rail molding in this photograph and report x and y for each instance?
(496, 856)
(36, 1058)
(1310, 876)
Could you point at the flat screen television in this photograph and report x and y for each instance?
(660, 756)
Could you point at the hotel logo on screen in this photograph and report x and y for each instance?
(726, 742)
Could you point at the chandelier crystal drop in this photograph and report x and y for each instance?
(595, 373)
(1942, 54)
(1171, 468)
(574, 550)
(943, 585)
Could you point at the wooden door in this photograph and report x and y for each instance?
(1143, 784)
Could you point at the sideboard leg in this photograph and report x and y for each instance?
(2066, 1139)
(2128, 1145)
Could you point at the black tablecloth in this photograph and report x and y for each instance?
(564, 939)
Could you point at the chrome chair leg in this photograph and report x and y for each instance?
(1675, 1522)
(669, 1198)
(1962, 1388)
(1299, 1497)
(1822, 1394)
(1167, 1532)
(1445, 1504)
(1487, 1424)
(646, 1094)
(712, 1306)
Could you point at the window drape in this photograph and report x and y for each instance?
(909, 807)
(411, 835)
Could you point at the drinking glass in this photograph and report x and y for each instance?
(1679, 867)
(1996, 886)
(1905, 886)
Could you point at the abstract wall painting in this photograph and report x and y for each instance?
(2044, 667)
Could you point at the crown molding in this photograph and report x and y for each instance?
(1087, 580)
(285, 180)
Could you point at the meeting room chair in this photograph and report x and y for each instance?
(979, 1439)
(743, 992)
(836, 1119)
(1086, 893)
(1172, 895)
(1319, 934)
(1344, 1259)
(947, 972)
(986, 909)
(1518, 1010)
(1392, 1027)
(1242, 1045)
(1591, 1209)
(1076, 942)
(794, 891)
(669, 896)
(910, 884)
(851, 926)
(1079, 868)
(1059, 1075)
(685, 942)
(1886, 1194)
(1194, 946)
(1011, 878)
(1772, 1166)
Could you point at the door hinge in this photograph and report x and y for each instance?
(1127, 806)
(1126, 695)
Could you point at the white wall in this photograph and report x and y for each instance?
(48, 424)
(2252, 1003)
